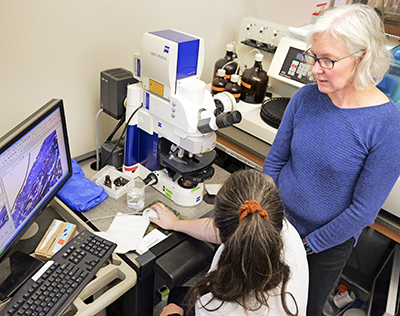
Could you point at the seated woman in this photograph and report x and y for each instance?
(261, 266)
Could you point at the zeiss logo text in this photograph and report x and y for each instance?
(166, 49)
(158, 56)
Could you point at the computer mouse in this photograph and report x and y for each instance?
(149, 212)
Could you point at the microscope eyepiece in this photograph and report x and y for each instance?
(228, 119)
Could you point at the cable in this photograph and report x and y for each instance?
(95, 140)
(121, 121)
(113, 216)
(122, 134)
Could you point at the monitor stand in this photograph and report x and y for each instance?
(18, 267)
(15, 270)
(32, 231)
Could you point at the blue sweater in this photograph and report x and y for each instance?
(334, 167)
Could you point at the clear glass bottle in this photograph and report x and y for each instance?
(219, 83)
(234, 88)
(254, 82)
(227, 63)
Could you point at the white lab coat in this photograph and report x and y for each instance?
(297, 285)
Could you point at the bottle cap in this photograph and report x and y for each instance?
(259, 57)
(229, 47)
(221, 72)
(342, 288)
(235, 78)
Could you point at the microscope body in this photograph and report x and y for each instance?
(172, 117)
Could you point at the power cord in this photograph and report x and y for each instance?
(122, 135)
(96, 141)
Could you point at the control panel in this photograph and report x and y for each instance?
(288, 63)
(295, 68)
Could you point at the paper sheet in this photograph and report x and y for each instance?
(126, 231)
(151, 239)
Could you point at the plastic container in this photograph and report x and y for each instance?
(135, 195)
(234, 88)
(343, 297)
(219, 83)
(354, 312)
(338, 301)
(119, 182)
(254, 82)
(227, 63)
(330, 309)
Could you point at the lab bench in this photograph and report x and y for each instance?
(169, 263)
(111, 282)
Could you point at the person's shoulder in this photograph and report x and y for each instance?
(290, 233)
(293, 246)
(308, 94)
(394, 109)
(387, 116)
(311, 88)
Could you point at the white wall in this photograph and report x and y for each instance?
(57, 48)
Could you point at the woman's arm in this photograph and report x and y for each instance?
(202, 228)
(280, 151)
(172, 309)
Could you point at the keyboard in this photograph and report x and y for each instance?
(59, 281)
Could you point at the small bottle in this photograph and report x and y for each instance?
(227, 63)
(234, 88)
(219, 83)
(107, 181)
(118, 182)
(254, 82)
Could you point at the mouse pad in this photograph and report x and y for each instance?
(152, 225)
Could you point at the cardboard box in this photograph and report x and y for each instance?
(57, 235)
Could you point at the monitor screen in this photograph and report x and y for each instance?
(34, 164)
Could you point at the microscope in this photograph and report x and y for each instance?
(171, 117)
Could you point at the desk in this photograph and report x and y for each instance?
(139, 301)
(112, 280)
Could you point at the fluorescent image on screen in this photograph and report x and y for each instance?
(40, 177)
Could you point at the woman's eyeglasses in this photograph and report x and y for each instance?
(324, 62)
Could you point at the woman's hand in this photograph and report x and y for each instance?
(166, 218)
(170, 309)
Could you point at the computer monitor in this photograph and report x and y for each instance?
(34, 164)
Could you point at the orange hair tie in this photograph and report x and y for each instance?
(250, 207)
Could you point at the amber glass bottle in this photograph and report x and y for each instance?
(227, 63)
(234, 88)
(219, 83)
(254, 82)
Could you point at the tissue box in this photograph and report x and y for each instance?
(113, 190)
(58, 234)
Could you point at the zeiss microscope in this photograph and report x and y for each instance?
(172, 117)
